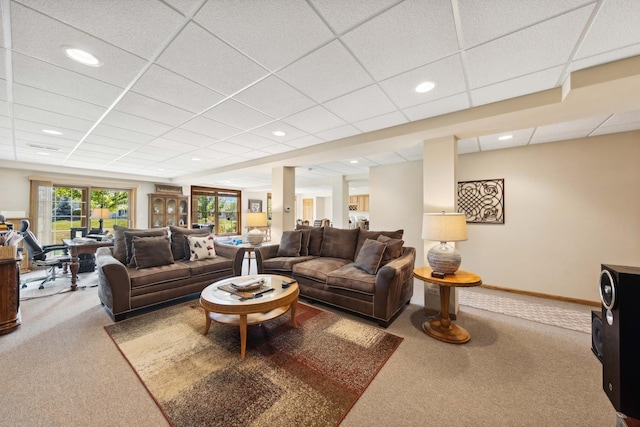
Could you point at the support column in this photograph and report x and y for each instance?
(340, 202)
(283, 183)
(440, 192)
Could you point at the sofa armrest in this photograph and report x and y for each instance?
(265, 252)
(235, 253)
(394, 284)
(114, 285)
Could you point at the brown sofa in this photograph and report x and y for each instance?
(367, 272)
(147, 267)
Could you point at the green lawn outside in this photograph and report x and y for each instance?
(61, 229)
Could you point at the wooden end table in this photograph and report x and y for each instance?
(224, 307)
(81, 246)
(442, 328)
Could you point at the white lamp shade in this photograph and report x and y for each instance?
(444, 227)
(256, 219)
(100, 213)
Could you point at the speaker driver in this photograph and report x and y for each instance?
(596, 333)
(607, 289)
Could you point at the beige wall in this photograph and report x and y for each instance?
(569, 206)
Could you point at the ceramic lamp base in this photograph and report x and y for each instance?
(444, 259)
(255, 239)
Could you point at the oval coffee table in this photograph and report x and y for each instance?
(224, 307)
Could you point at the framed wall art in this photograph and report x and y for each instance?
(255, 205)
(482, 201)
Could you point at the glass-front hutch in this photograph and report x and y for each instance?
(168, 209)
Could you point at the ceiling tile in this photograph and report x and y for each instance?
(518, 86)
(384, 158)
(46, 118)
(327, 73)
(536, 48)
(3, 88)
(385, 51)
(27, 132)
(438, 107)
(603, 58)
(210, 128)
(3, 53)
(616, 129)
(491, 142)
(274, 97)
(447, 74)
(484, 21)
(624, 118)
(262, 32)
(218, 66)
(343, 15)
(337, 133)
(171, 88)
(278, 148)
(567, 130)
(381, 122)
(139, 27)
(41, 75)
(238, 115)
(267, 130)
(112, 142)
(171, 145)
(149, 108)
(250, 140)
(184, 6)
(362, 104)
(229, 148)
(122, 134)
(468, 145)
(188, 137)
(305, 141)
(37, 98)
(139, 124)
(315, 119)
(617, 24)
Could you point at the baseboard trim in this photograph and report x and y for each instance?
(541, 295)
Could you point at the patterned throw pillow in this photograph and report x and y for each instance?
(201, 247)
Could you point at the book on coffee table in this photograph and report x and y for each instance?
(244, 294)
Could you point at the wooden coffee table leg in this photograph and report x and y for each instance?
(208, 321)
(243, 335)
(294, 306)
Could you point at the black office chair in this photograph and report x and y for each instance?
(38, 256)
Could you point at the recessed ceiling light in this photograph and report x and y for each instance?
(81, 56)
(425, 87)
(195, 159)
(353, 161)
(42, 153)
(52, 132)
(160, 169)
(279, 133)
(505, 137)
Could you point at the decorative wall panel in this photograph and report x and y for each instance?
(482, 201)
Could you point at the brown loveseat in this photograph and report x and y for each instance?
(147, 267)
(367, 272)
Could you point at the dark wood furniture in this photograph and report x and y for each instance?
(442, 328)
(9, 294)
(168, 209)
(77, 247)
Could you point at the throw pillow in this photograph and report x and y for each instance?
(393, 250)
(290, 243)
(339, 243)
(151, 251)
(130, 234)
(179, 243)
(119, 245)
(201, 247)
(370, 256)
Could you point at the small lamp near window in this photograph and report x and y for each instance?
(101, 214)
(254, 220)
(444, 227)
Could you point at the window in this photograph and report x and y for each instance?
(218, 208)
(56, 209)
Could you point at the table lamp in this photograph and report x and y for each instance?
(255, 219)
(101, 214)
(444, 227)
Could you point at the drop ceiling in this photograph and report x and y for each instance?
(192, 90)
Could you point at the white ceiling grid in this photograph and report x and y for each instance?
(212, 80)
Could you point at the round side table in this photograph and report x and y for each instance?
(442, 328)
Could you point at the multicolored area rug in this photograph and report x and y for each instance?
(310, 376)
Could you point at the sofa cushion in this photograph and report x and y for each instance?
(154, 275)
(370, 255)
(290, 243)
(304, 245)
(179, 242)
(315, 238)
(363, 235)
(201, 247)
(119, 245)
(319, 268)
(151, 251)
(210, 265)
(393, 249)
(352, 278)
(284, 263)
(339, 243)
(131, 233)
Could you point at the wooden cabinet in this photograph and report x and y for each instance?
(9, 295)
(359, 203)
(168, 209)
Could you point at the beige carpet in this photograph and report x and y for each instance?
(310, 376)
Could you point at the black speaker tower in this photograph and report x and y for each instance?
(620, 296)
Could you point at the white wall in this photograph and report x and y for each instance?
(569, 206)
(395, 202)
